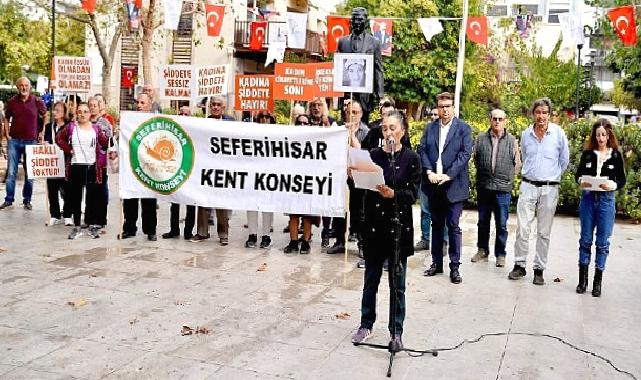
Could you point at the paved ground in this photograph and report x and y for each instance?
(106, 309)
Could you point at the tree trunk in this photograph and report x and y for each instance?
(106, 80)
(149, 24)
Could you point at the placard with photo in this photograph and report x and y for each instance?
(354, 73)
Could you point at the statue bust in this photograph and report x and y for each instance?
(359, 41)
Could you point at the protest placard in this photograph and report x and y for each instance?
(294, 81)
(255, 93)
(45, 161)
(72, 74)
(212, 80)
(325, 80)
(233, 165)
(177, 82)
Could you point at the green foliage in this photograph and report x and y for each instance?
(26, 41)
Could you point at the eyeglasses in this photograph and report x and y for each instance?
(498, 119)
(386, 104)
(441, 106)
(435, 114)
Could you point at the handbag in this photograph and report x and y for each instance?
(113, 161)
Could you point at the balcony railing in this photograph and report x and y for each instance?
(242, 36)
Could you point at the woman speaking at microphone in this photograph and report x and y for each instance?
(379, 227)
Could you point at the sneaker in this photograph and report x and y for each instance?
(6, 205)
(251, 241)
(336, 248)
(223, 241)
(517, 272)
(94, 232)
(324, 243)
(396, 343)
(304, 247)
(538, 277)
(75, 233)
(360, 264)
(361, 335)
(386, 265)
(292, 247)
(54, 221)
(500, 261)
(265, 242)
(422, 245)
(198, 238)
(480, 256)
(27, 206)
(68, 222)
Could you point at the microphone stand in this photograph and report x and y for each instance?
(397, 269)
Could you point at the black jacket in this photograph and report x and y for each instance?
(613, 168)
(378, 226)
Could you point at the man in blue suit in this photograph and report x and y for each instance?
(446, 147)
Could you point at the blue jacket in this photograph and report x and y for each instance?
(456, 154)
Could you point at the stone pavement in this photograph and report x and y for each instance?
(109, 309)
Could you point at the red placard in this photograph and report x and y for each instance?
(294, 81)
(254, 93)
(337, 27)
(325, 80)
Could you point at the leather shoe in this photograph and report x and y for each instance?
(336, 248)
(170, 235)
(433, 270)
(126, 235)
(152, 237)
(455, 276)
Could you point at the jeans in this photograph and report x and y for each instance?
(373, 272)
(426, 218)
(497, 203)
(596, 211)
(446, 214)
(534, 203)
(16, 148)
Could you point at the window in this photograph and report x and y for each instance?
(524, 9)
(553, 17)
(497, 10)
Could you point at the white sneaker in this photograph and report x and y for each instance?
(54, 221)
(76, 232)
(68, 222)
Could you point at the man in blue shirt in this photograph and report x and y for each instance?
(545, 154)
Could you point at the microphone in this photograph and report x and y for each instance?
(391, 142)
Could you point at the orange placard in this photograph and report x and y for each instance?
(325, 80)
(254, 93)
(294, 81)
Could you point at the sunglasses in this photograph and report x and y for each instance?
(386, 104)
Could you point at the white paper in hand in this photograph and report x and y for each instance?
(368, 179)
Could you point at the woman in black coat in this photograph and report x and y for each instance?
(379, 227)
(601, 158)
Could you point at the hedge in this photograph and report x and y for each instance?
(628, 199)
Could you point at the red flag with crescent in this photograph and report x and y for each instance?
(214, 15)
(476, 30)
(337, 27)
(88, 5)
(128, 77)
(258, 35)
(623, 22)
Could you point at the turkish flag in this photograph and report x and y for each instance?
(128, 77)
(258, 35)
(88, 5)
(214, 16)
(138, 4)
(337, 27)
(623, 22)
(476, 30)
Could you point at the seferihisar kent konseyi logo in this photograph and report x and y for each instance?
(161, 155)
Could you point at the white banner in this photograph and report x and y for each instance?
(45, 161)
(173, 8)
(233, 165)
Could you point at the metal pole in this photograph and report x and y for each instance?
(591, 76)
(578, 80)
(461, 60)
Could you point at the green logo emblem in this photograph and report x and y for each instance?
(161, 155)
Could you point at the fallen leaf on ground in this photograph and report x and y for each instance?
(133, 321)
(342, 316)
(181, 302)
(3, 250)
(262, 268)
(202, 330)
(78, 302)
(558, 279)
(186, 330)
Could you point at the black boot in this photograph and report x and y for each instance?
(596, 285)
(583, 279)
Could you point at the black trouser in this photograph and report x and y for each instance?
(101, 212)
(356, 198)
(56, 189)
(82, 177)
(130, 210)
(174, 219)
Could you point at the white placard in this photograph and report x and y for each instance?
(212, 80)
(45, 161)
(72, 74)
(354, 73)
(177, 82)
(233, 165)
(297, 23)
